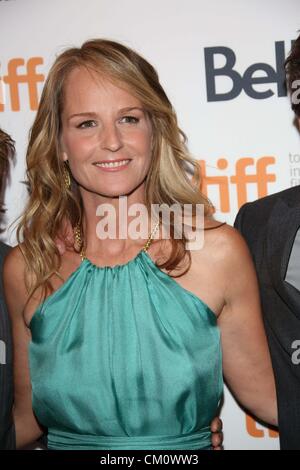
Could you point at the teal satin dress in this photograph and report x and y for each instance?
(123, 357)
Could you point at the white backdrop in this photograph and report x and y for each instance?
(248, 145)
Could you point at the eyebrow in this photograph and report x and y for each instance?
(94, 115)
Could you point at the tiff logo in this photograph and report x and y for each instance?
(254, 429)
(241, 179)
(15, 77)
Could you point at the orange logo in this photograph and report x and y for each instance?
(254, 431)
(13, 79)
(240, 179)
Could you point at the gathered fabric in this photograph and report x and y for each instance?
(124, 357)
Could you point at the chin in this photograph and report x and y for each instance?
(121, 190)
(116, 193)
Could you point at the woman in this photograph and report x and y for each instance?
(111, 352)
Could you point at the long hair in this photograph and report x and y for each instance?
(50, 205)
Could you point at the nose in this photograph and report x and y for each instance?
(110, 138)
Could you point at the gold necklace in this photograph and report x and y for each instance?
(78, 239)
(150, 238)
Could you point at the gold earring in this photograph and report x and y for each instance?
(66, 176)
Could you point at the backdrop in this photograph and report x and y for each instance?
(220, 62)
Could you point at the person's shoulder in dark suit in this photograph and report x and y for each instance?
(7, 431)
(252, 218)
(4, 249)
(256, 221)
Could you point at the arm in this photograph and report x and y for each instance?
(246, 358)
(26, 426)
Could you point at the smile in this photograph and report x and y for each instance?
(113, 165)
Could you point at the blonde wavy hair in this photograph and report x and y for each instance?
(50, 205)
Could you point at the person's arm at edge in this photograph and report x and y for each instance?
(27, 428)
(246, 357)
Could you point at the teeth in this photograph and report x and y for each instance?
(112, 164)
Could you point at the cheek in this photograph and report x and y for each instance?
(142, 143)
(77, 147)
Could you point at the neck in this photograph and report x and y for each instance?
(107, 226)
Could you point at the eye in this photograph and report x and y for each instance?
(86, 124)
(130, 119)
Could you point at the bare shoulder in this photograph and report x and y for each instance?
(217, 264)
(228, 261)
(14, 262)
(227, 253)
(14, 277)
(225, 240)
(231, 258)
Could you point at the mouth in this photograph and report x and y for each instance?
(114, 165)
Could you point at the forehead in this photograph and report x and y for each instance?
(85, 87)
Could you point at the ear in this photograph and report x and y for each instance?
(64, 156)
(62, 153)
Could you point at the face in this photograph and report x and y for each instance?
(102, 124)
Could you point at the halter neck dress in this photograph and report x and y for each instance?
(123, 357)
